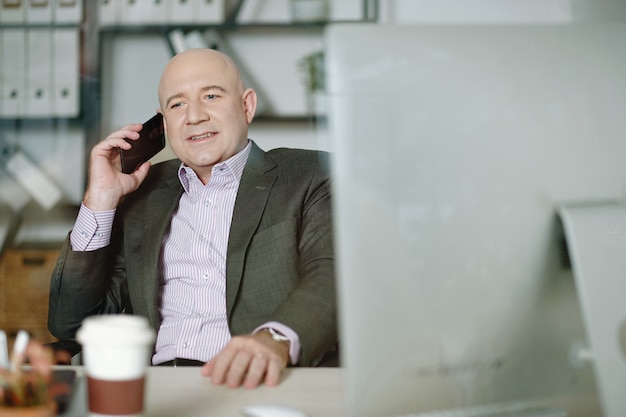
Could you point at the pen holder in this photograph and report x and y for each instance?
(44, 410)
(25, 394)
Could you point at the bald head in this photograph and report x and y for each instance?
(185, 65)
(206, 108)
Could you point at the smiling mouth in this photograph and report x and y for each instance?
(206, 135)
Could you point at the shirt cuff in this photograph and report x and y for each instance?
(294, 340)
(92, 229)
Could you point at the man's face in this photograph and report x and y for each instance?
(206, 110)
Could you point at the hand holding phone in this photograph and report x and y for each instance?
(151, 141)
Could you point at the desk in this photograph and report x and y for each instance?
(183, 392)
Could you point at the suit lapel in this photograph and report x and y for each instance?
(256, 183)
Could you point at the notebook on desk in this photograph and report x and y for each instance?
(452, 148)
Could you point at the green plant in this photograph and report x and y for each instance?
(311, 68)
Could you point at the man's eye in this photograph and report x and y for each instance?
(211, 96)
(174, 105)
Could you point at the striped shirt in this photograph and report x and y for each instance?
(193, 263)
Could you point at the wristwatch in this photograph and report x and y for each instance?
(277, 336)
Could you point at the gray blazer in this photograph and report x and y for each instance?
(280, 263)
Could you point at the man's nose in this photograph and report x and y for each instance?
(196, 113)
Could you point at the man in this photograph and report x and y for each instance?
(229, 254)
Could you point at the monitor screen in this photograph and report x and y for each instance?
(453, 147)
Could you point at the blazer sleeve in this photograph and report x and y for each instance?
(311, 309)
(287, 265)
(84, 284)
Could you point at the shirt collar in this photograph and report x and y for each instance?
(233, 165)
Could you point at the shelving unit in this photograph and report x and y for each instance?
(89, 119)
(228, 29)
(42, 116)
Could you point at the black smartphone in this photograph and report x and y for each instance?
(151, 141)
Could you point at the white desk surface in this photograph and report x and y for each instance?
(183, 392)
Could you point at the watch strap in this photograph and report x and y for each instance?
(277, 336)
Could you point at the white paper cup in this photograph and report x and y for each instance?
(116, 351)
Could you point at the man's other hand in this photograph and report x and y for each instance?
(249, 361)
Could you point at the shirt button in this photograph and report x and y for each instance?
(205, 276)
(185, 345)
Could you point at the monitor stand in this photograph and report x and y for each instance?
(596, 241)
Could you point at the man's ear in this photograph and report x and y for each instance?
(249, 104)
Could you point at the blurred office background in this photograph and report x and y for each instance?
(71, 71)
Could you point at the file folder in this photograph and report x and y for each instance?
(143, 12)
(33, 180)
(38, 11)
(108, 12)
(194, 39)
(67, 11)
(12, 11)
(11, 193)
(256, 11)
(12, 69)
(208, 11)
(177, 41)
(38, 102)
(57, 148)
(180, 11)
(66, 73)
(134, 12)
(158, 13)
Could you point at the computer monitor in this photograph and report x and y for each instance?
(453, 147)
